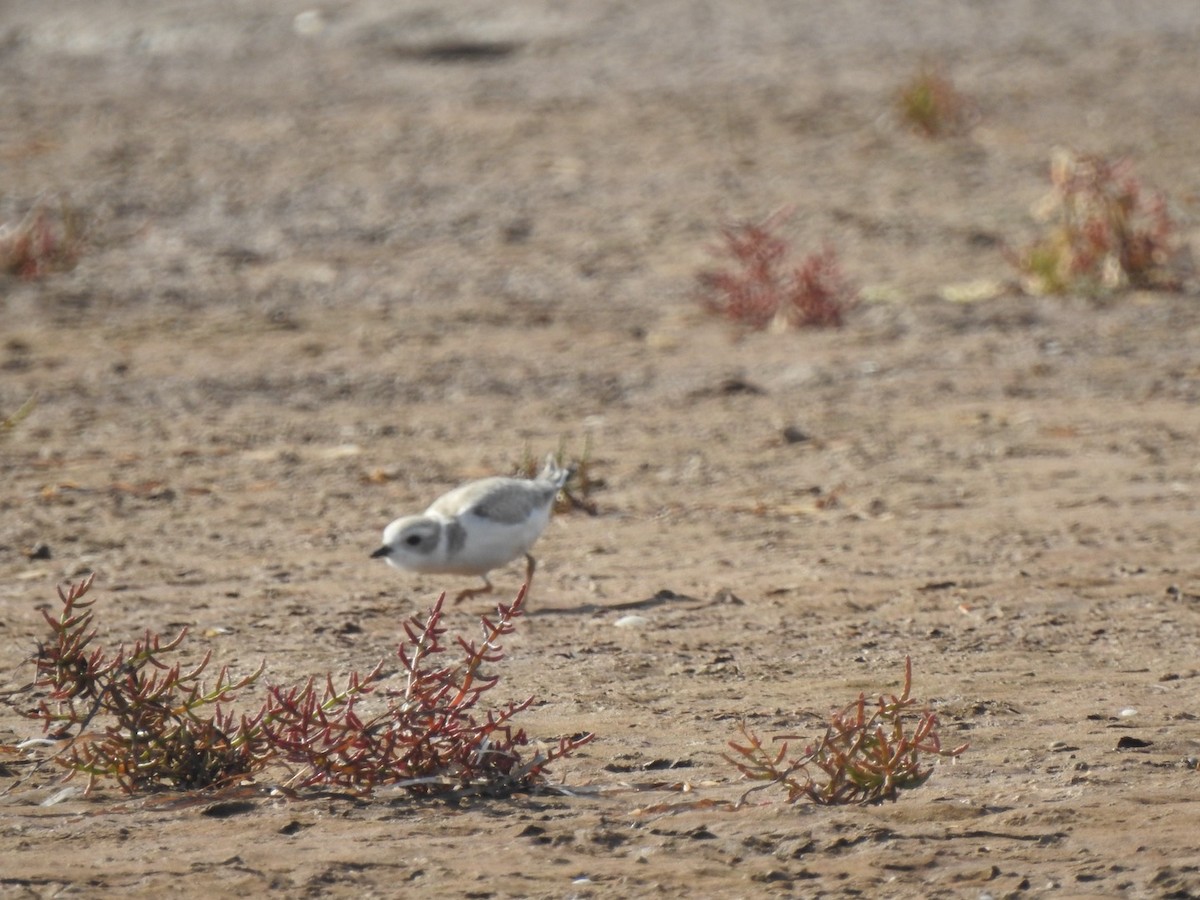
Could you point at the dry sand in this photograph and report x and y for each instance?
(338, 264)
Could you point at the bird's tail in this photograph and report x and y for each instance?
(554, 473)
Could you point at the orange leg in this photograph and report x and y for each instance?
(531, 564)
(475, 592)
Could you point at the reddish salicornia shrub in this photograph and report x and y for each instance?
(931, 105)
(869, 753)
(137, 715)
(1106, 231)
(45, 240)
(762, 289)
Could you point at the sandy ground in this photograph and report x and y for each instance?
(340, 263)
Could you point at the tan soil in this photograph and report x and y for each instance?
(332, 275)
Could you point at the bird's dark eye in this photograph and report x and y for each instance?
(412, 540)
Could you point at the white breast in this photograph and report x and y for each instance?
(489, 544)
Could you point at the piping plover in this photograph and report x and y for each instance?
(477, 527)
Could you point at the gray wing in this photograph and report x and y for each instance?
(505, 500)
(512, 501)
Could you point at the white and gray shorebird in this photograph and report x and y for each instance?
(477, 527)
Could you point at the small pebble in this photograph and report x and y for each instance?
(61, 795)
(794, 435)
(309, 22)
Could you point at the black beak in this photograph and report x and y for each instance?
(382, 551)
